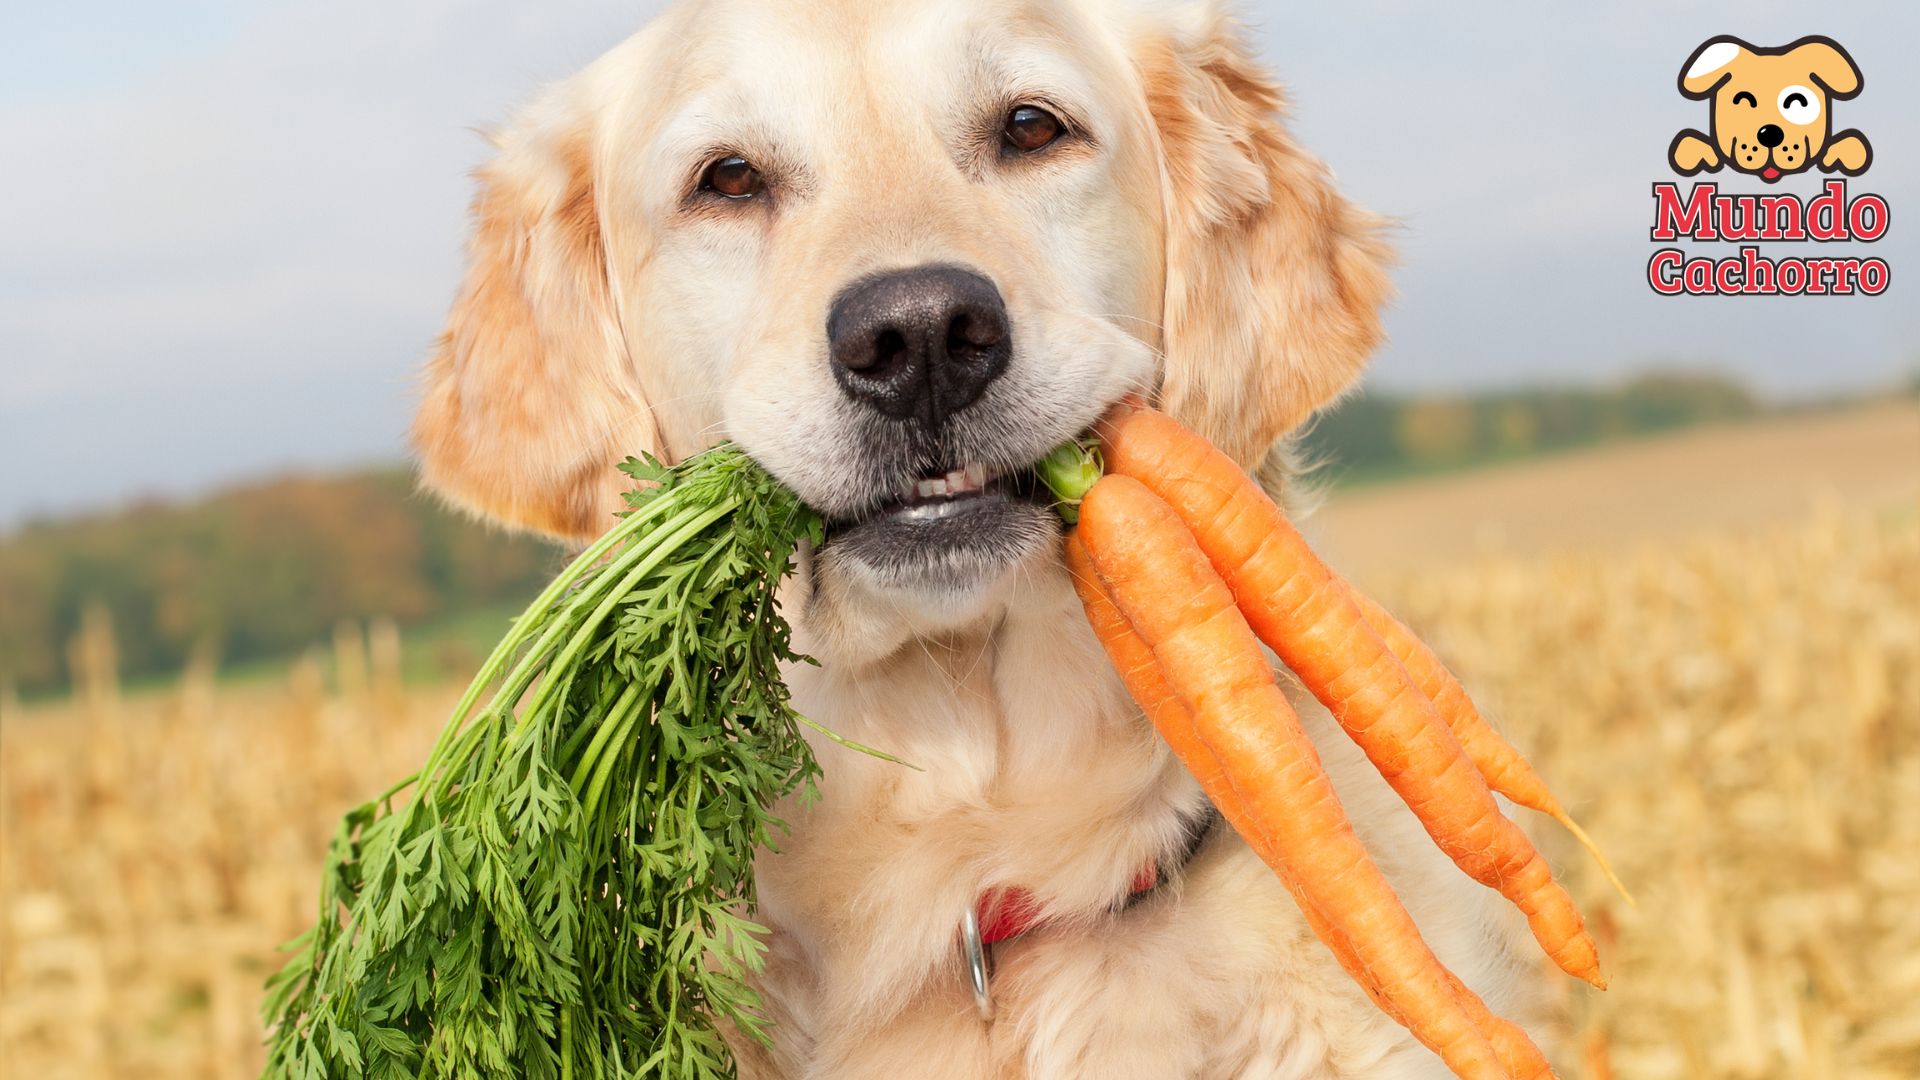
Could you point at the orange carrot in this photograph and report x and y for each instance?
(1502, 766)
(1138, 668)
(1267, 773)
(1517, 1052)
(1306, 614)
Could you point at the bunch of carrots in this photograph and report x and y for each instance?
(1185, 567)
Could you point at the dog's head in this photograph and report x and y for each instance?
(1770, 106)
(898, 251)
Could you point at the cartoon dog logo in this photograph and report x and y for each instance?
(1770, 114)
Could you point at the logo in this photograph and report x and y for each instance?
(1769, 115)
(1771, 109)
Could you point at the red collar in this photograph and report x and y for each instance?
(1010, 912)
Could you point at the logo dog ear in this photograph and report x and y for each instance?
(1711, 64)
(1827, 64)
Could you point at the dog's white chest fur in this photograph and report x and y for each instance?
(1035, 770)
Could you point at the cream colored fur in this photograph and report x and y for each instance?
(1186, 248)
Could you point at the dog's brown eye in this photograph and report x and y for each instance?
(733, 177)
(1031, 128)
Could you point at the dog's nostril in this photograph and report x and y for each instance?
(1770, 135)
(888, 346)
(967, 334)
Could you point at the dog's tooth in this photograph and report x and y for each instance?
(977, 476)
(958, 482)
(932, 488)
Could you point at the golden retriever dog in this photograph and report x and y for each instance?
(898, 249)
(1771, 109)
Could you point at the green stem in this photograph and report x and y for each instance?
(523, 626)
(1070, 471)
(608, 584)
(529, 621)
(590, 804)
(610, 719)
(394, 789)
(686, 526)
(851, 745)
(608, 691)
(600, 587)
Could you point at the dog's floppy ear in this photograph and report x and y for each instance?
(530, 398)
(1273, 280)
(1710, 65)
(1828, 64)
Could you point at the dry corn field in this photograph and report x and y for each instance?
(1736, 717)
(1737, 720)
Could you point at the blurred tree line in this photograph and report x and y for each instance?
(255, 572)
(1377, 435)
(267, 570)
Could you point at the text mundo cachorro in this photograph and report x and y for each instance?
(1706, 215)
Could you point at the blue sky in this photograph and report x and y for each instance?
(231, 229)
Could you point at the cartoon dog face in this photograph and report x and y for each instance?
(1771, 111)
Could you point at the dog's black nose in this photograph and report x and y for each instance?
(919, 344)
(1770, 135)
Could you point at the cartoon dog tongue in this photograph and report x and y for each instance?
(1770, 174)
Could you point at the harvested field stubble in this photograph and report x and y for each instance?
(157, 850)
(1737, 719)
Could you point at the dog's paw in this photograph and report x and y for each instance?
(1848, 153)
(1690, 153)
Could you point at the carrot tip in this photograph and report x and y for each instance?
(1593, 849)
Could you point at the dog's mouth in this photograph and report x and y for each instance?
(949, 528)
(945, 494)
(1769, 174)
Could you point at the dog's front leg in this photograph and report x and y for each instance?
(1691, 152)
(1849, 153)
